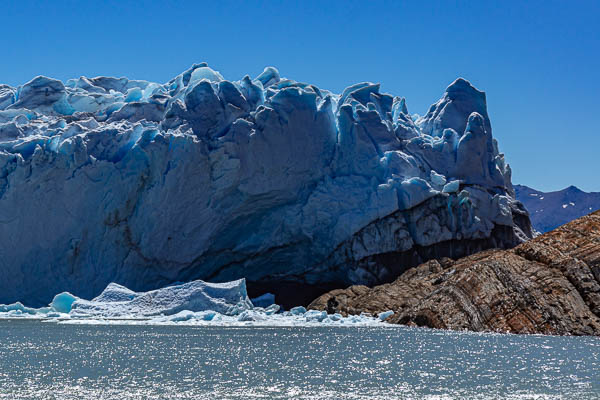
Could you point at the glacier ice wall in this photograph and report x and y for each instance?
(293, 187)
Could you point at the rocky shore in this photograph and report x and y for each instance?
(548, 285)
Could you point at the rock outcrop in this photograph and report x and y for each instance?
(548, 285)
(297, 189)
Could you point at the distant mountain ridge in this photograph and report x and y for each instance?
(549, 210)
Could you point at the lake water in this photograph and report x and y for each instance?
(42, 360)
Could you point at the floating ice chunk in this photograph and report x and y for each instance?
(451, 187)
(19, 310)
(16, 308)
(272, 309)
(247, 318)
(298, 310)
(193, 303)
(204, 315)
(117, 301)
(12, 307)
(251, 315)
(315, 315)
(182, 316)
(63, 302)
(52, 314)
(264, 300)
(119, 305)
(335, 317)
(236, 309)
(207, 315)
(385, 315)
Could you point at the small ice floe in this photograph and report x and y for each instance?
(385, 315)
(264, 300)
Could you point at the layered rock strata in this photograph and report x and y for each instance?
(548, 285)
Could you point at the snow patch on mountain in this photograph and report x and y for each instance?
(549, 210)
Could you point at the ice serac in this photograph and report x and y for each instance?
(298, 189)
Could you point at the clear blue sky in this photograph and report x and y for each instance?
(538, 61)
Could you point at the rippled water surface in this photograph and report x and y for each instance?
(41, 360)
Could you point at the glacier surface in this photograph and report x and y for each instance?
(296, 188)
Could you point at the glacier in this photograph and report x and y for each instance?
(295, 188)
(195, 303)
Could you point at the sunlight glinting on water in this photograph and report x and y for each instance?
(155, 362)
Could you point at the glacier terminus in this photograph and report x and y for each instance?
(295, 188)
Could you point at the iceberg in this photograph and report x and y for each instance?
(297, 189)
(63, 302)
(385, 315)
(264, 300)
(117, 301)
(192, 303)
(298, 310)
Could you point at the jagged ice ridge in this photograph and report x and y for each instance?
(296, 188)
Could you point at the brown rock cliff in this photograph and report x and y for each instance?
(549, 285)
